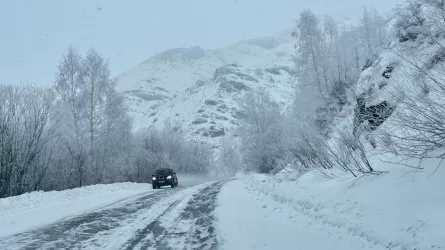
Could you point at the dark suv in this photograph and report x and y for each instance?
(164, 177)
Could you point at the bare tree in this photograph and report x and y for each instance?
(69, 87)
(97, 83)
(310, 49)
(260, 133)
(96, 128)
(229, 162)
(25, 135)
(372, 25)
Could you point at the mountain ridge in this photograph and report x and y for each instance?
(199, 90)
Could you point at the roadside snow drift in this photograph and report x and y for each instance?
(403, 209)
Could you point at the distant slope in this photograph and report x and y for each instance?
(198, 90)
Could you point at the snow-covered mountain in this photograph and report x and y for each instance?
(199, 90)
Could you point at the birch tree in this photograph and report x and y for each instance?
(69, 86)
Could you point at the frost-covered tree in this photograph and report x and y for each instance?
(96, 128)
(310, 49)
(167, 148)
(229, 158)
(409, 21)
(97, 87)
(69, 87)
(114, 145)
(26, 134)
(367, 25)
(420, 19)
(260, 133)
(329, 58)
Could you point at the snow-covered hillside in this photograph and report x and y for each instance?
(199, 90)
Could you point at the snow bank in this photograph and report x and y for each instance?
(31, 210)
(402, 209)
(251, 220)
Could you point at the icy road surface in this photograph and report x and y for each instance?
(180, 218)
(252, 212)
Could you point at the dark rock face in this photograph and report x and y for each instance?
(146, 96)
(199, 121)
(230, 79)
(222, 108)
(223, 71)
(408, 36)
(278, 70)
(367, 64)
(231, 86)
(217, 133)
(374, 114)
(388, 71)
(210, 102)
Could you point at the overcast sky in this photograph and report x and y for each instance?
(34, 34)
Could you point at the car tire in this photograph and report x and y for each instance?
(154, 186)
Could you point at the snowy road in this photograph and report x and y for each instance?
(248, 212)
(164, 219)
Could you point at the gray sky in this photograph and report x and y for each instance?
(34, 34)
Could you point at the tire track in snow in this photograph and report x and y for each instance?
(191, 228)
(201, 211)
(71, 232)
(154, 229)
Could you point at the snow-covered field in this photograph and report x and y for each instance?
(31, 210)
(402, 209)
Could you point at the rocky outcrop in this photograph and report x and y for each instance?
(375, 115)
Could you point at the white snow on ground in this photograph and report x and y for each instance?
(193, 180)
(31, 210)
(403, 209)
